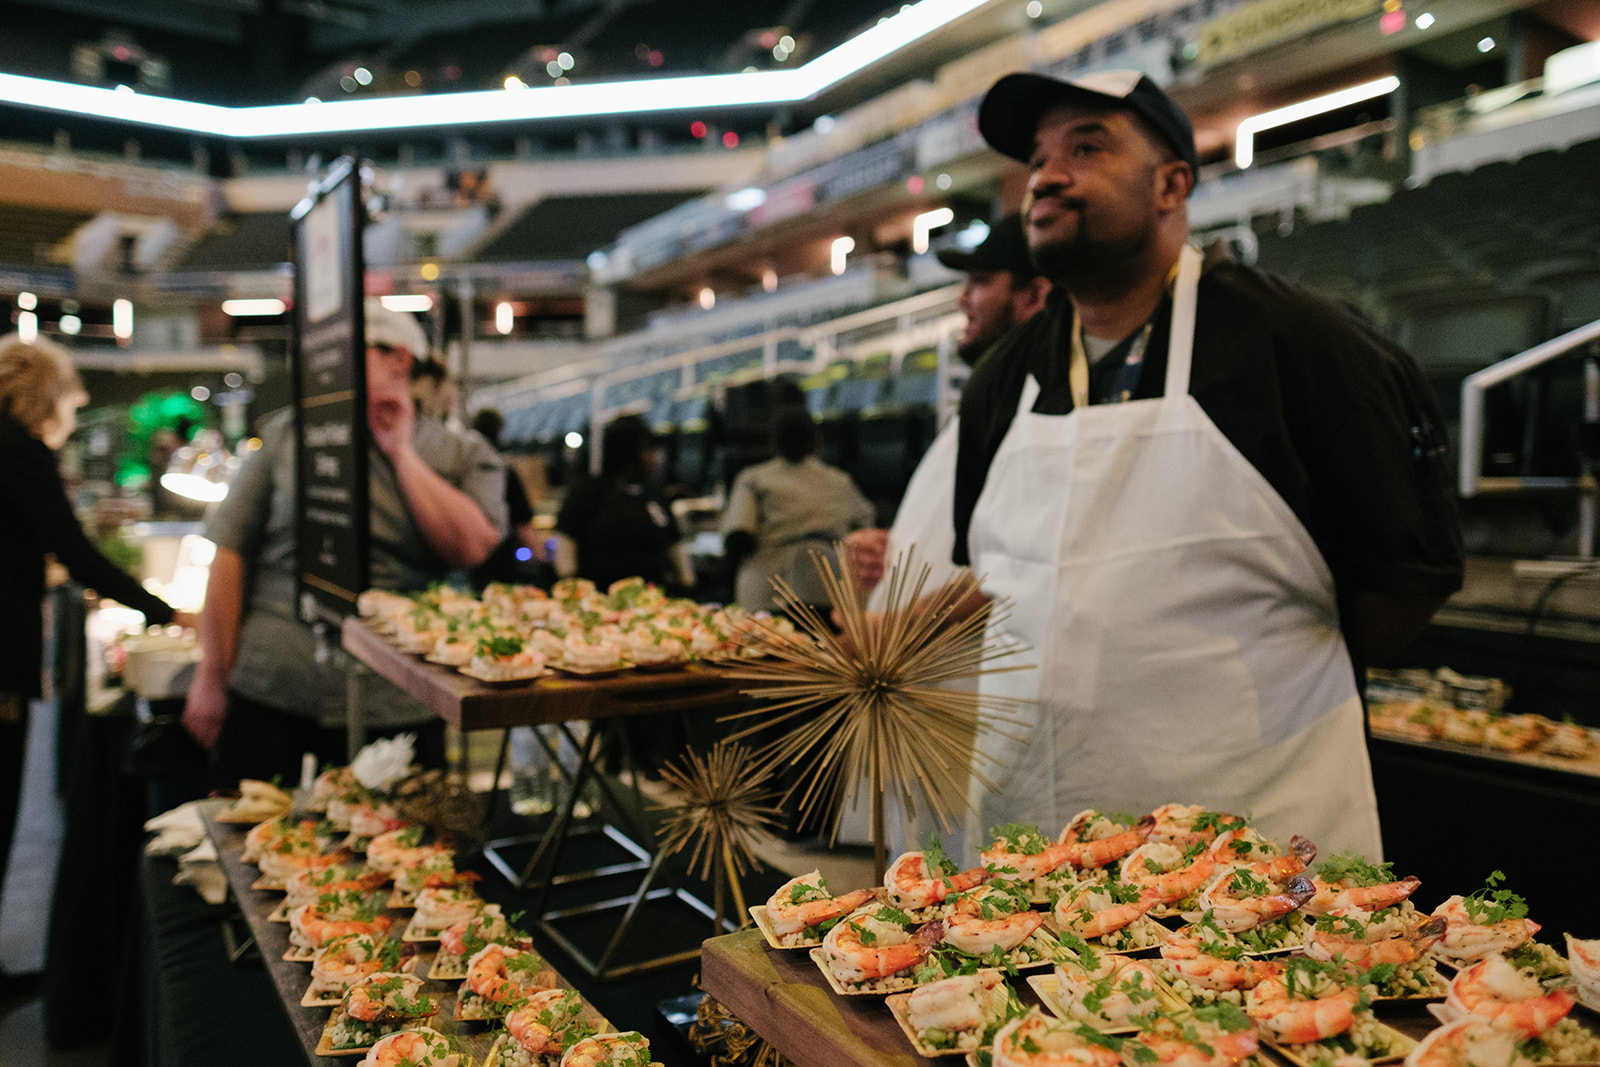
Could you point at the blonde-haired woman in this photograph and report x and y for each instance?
(39, 397)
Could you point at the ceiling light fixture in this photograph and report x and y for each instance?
(927, 222)
(262, 306)
(763, 88)
(1245, 137)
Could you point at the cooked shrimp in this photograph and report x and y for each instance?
(1091, 825)
(1338, 896)
(1191, 1043)
(488, 925)
(961, 1004)
(386, 851)
(500, 974)
(1157, 868)
(1095, 911)
(864, 947)
(804, 902)
(1512, 999)
(312, 927)
(1468, 1042)
(1036, 1040)
(911, 885)
(609, 1050)
(1184, 823)
(534, 1025)
(1211, 964)
(419, 1047)
(388, 996)
(1237, 902)
(304, 887)
(343, 961)
(446, 905)
(988, 918)
(1358, 949)
(1105, 989)
(1467, 939)
(1279, 869)
(1241, 845)
(1584, 959)
(1300, 1019)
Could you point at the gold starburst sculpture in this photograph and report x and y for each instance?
(871, 702)
(723, 813)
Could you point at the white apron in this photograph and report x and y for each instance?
(922, 525)
(1183, 621)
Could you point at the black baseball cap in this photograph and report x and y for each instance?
(1006, 248)
(1010, 112)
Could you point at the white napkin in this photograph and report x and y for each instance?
(199, 868)
(178, 830)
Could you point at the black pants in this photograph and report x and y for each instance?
(260, 741)
(13, 752)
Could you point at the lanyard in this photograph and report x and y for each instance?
(1127, 376)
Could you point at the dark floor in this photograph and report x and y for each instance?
(25, 907)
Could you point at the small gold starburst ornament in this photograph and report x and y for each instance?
(872, 702)
(722, 815)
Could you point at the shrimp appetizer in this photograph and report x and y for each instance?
(1358, 943)
(498, 977)
(872, 951)
(1101, 988)
(442, 905)
(335, 915)
(957, 1014)
(1110, 915)
(1583, 958)
(1510, 998)
(1204, 964)
(377, 1005)
(417, 1047)
(1217, 1036)
(802, 911)
(460, 942)
(1036, 1040)
(919, 882)
(1313, 1010)
(631, 1049)
(344, 961)
(538, 1031)
(1484, 923)
(992, 919)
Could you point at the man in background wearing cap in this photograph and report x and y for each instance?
(1209, 496)
(1002, 289)
(264, 691)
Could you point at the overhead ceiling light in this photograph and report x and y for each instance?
(747, 199)
(266, 306)
(1486, 44)
(762, 88)
(1244, 138)
(927, 222)
(407, 302)
(122, 319)
(1425, 20)
(839, 253)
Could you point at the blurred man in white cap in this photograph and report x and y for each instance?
(264, 692)
(1209, 496)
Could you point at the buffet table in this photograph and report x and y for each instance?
(290, 978)
(473, 705)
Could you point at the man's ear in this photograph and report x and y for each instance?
(1174, 183)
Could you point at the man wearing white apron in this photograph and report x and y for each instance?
(1202, 492)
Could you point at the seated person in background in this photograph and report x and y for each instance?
(618, 522)
(781, 510)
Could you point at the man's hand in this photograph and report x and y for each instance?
(864, 556)
(390, 416)
(206, 707)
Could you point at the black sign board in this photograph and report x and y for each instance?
(329, 363)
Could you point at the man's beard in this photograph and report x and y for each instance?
(1086, 257)
(981, 342)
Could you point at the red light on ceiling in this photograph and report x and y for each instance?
(656, 58)
(730, 140)
(452, 72)
(1392, 21)
(697, 129)
(914, 184)
(769, 39)
(121, 53)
